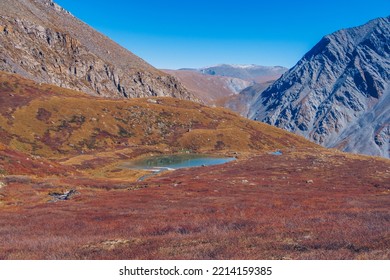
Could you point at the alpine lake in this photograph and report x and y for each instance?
(160, 163)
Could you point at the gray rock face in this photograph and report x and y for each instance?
(338, 94)
(42, 41)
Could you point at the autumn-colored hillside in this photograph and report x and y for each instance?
(64, 193)
(60, 124)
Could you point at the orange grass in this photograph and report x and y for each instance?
(259, 208)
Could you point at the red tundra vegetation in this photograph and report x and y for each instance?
(305, 203)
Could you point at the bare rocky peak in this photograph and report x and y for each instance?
(337, 93)
(42, 41)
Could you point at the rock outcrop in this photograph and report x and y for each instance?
(42, 41)
(338, 94)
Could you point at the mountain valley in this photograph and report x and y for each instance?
(76, 108)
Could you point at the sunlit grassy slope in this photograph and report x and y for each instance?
(53, 122)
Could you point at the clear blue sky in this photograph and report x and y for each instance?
(179, 33)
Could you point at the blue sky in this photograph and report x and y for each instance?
(174, 34)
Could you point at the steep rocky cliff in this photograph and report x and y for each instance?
(42, 41)
(338, 93)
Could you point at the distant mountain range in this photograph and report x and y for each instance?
(42, 41)
(222, 84)
(210, 89)
(338, 94)
(248, 72)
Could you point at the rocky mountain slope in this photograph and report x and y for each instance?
(338, 93)
(43, 42)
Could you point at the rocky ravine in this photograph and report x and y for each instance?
(43, 42)
(338, 93)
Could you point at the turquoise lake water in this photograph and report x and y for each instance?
(166, 162)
